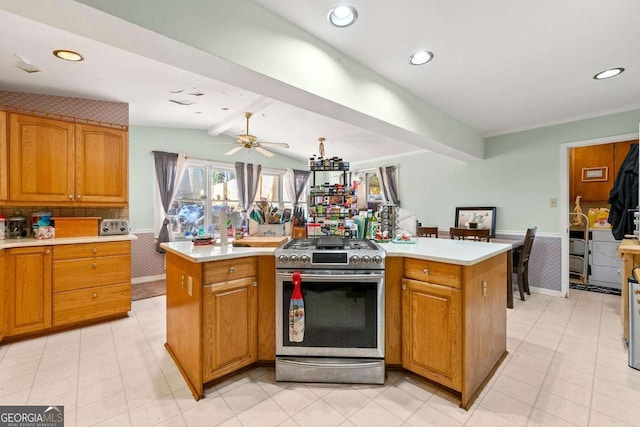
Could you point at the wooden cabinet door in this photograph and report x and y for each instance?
(593, 156)
(3, 296)
(4, 154)
(230, 312)
(41, 159)
(101, 164)
(431, 332)
(29, 283)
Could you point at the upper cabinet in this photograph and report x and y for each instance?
(594, 169)
(58, 162)
(4, 150)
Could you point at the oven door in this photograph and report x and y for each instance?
(343, 314)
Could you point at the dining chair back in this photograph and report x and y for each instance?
(477, 234)
(428, 232)
(521, 262)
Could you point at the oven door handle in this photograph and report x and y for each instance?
(330, 276)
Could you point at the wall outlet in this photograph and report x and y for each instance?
(553, 202)
(190, 286)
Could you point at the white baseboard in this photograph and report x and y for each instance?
(146, 279)
(545, 291)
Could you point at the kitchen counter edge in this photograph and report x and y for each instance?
(29, 242)
(439, 250)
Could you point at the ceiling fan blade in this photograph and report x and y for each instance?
(275, 144)
(233, 150)
(264, 152)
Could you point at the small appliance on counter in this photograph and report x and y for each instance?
(17, 226)
(114, 227)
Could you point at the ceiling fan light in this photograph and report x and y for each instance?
(420, 57)
(342, 16)
(607, 74)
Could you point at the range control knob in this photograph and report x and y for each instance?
(354, 259)
(377, 259)
(283, 258)
(366, 259)
(293, 259)
(304, 259)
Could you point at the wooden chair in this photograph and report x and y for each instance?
(428, 232)
(521, 262)
(477, 234)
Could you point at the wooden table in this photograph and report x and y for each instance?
(516, 245)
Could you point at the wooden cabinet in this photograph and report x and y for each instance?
(29, 289)
(393, 311)
(230, 311)
(91, 281)
(609, 155)
(217, 303)
(454, 322)
(431, 332)
(59, 162)
(4, 156)
(3, 296)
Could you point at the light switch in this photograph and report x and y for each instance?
(190, 286)
(553, 202)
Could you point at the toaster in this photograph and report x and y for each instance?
(111, 227)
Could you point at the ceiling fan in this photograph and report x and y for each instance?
(246, 140)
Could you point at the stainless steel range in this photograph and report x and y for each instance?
(330, 311)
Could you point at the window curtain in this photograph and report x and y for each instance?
(389, 183)
(295, 182)
(169, 170)
(247, 177)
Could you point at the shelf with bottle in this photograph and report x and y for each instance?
(328, 164)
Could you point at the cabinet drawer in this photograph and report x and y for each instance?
(433, 272)
(86, 250)
(606, 274)
(87, 272)
(91, 303)
(230, 269)
(606, 254)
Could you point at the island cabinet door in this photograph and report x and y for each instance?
(230, 325)
(431, 332)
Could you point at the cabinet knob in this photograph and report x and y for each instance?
(95, 295)
(94, 250)
(70, 196)
(404, 286)
(79, 196)
(254, 284)
(94, 265)
(232, 269)
(425, 271)
(47, 251)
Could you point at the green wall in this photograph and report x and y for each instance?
(520, 173)
(195, 143)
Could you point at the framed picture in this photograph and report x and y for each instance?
(595, 174)
(477, 217)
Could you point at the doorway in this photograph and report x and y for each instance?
(565, 193)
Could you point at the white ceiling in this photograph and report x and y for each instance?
(499, 66)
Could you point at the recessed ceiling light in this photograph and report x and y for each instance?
(420, 57)
(68, 55)
(343, 15)
(612, 72)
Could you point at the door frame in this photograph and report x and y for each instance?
(564, 197)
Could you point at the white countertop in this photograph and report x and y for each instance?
(441, 250)
(28, 241)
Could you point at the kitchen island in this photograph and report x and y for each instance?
(445, 315)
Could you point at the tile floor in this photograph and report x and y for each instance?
(567, 366)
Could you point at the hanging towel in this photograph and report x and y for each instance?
(296, 311)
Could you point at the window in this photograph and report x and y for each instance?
(208, 187)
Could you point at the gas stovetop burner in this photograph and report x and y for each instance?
(330, 252)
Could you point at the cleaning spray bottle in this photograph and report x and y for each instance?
(296, 311)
